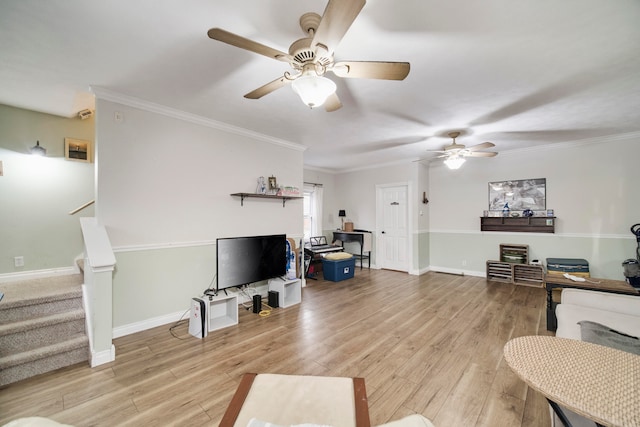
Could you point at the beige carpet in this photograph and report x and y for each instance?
(39, 288)
(42, 326)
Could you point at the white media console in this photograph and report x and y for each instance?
(289, 291)
(221, 311)
(212, 313)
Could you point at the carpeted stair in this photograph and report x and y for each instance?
(42, 327)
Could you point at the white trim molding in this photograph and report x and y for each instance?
(108, 95)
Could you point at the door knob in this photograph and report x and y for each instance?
(383, 232)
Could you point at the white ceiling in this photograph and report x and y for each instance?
(521, 74)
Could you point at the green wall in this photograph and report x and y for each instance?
(37, 193)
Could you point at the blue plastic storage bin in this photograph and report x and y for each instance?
(338, 270)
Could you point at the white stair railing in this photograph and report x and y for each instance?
(99, 263)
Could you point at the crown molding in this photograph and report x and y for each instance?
(108, 95)
(323, 170)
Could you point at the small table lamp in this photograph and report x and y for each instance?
(342, 214)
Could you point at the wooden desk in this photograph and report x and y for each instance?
(557, 281)
(597, 382)
(363, 238)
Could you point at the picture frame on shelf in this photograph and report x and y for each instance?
(273, 185)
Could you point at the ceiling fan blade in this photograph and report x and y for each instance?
(332, 103)
(243, 43)
(481, 146)
(336, 20)
(372, 70)
(268, 88)
(481, 154)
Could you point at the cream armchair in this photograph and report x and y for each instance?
(619, 312)
(616, 311)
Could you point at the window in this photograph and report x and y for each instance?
(312, 207)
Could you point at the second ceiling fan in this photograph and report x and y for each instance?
(311, 57)
(455, 154)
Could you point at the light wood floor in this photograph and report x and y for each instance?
(430, 344)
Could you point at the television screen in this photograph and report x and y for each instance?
(244, 260)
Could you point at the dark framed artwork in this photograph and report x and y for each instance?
(77, 150)
(519, 194)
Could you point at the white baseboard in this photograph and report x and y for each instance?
(421, 271)
(458, 271)
(154, 322)
(102, 357)
(38, 274)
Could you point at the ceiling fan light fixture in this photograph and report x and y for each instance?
(313, 90)
(454, 162)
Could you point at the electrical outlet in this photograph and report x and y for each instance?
(464, 262)
(18, 261)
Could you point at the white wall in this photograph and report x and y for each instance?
(591, 185)
(355, 192)
(37, 193)
(164, 186)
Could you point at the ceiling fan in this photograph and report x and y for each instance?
(312, 56)
(455, 153)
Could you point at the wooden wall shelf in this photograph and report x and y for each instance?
(264, 196)
(532, 224)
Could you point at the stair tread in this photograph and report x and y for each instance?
(42, 290)
(40, 321)
(42, 352)
(42, 327)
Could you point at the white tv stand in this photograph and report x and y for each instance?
(222, 311)
(289, 291)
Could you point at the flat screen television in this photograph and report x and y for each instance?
(244, 260)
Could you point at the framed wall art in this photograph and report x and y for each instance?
(273, 185)
(519, 194)
(77, 150)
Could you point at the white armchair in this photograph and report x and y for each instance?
(616, 311)
(619, 312)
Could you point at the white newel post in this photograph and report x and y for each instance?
(98, 274)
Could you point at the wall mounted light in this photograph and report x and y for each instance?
(342, 214)
(37, 150)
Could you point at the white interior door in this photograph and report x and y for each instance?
(394, 231)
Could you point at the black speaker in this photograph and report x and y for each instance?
(257, 303)
(273, 299)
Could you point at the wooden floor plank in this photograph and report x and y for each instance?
(429, 344)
